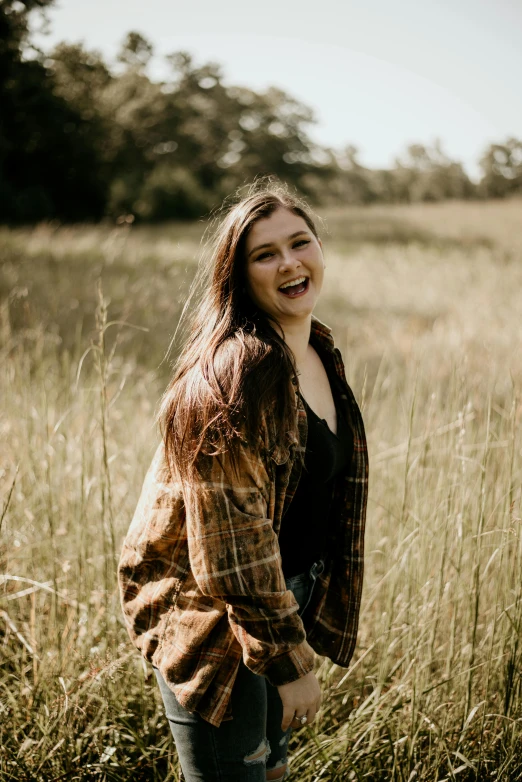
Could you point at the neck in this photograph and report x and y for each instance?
(297, 336)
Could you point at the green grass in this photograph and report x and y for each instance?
(425, 305)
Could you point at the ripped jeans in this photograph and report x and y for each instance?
(246, 748)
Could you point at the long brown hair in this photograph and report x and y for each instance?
(234, 362)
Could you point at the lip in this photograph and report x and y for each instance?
(294, 278)
(297, 295)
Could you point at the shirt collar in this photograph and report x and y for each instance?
(322, 333)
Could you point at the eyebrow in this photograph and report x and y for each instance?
(269, 244)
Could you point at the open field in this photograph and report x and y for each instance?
(425, 303)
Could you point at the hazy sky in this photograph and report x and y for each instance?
(379, 74)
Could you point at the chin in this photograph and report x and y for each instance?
(296, 315)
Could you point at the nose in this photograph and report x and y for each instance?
(289, 261)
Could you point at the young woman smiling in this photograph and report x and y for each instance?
(244, 558)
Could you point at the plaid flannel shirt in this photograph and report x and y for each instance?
(200, 574)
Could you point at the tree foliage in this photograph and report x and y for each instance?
(48, 167)
(80, 140)
(502, 169)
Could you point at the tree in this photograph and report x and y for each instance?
(80, 77)
(352, 183)
(502, 169)
(47, 166)
(181, 145)
(428, 174)
(81, 141)
(136, 51)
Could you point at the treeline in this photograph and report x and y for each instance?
(80, 140)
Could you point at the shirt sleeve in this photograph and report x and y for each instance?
(234, 555)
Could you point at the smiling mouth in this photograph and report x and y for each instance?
(297, 289)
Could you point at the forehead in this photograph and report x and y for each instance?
(281, 224)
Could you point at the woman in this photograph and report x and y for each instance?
(245, 555)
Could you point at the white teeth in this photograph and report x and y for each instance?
(293, 282)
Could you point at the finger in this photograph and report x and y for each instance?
(288, 715)
(310, 714)
(296, 722)
(296, 718)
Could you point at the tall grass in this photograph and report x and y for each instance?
(427, 315)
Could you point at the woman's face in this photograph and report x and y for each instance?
(282, 249)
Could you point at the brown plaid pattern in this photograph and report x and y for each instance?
(200, 573)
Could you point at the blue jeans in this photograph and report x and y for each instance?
(245, 748)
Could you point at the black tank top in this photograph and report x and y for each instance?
(304, 526)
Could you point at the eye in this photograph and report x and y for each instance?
(263, 255)
(301, 242)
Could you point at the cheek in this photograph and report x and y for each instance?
(256, 283)
(319, 269)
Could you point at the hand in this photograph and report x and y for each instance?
(303, 696)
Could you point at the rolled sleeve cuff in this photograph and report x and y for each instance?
(291, 665)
